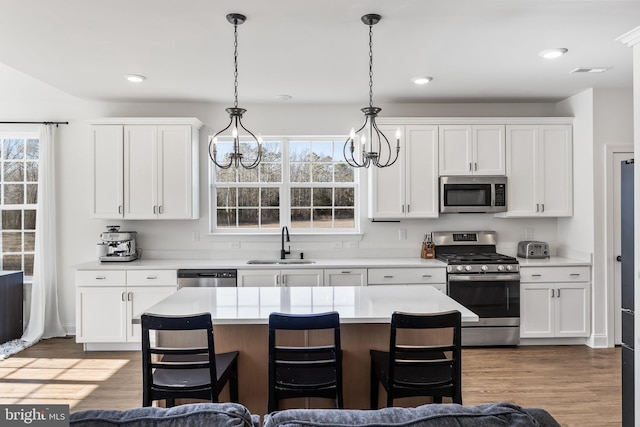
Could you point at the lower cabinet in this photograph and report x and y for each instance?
(555, 302)
(345, 277)
(284, 277)
(436, 277)
(108, 301)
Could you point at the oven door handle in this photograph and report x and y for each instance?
(501, 277)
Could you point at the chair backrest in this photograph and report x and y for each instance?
(444, 355)
(156, 358)
(305, 370)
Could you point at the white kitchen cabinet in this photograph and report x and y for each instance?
(471, 150)
(555, 302)
(409, 188)
(436, 276)
(145, 168)
(282, 277)
(108, 300)
(345, 277)
(539, 171)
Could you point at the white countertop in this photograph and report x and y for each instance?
(356, 304)
(554, 261)
(174, 264)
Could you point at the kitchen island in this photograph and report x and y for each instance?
(241, 315)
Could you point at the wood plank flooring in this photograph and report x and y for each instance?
(578, 385)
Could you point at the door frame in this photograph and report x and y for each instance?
(610, 255)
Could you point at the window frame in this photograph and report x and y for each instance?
(285, 187)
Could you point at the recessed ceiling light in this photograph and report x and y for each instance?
(135, 78)
(590, 69)
(553, 53)
(284, 97)
(421, 80)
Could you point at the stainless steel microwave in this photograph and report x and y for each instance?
(471, 194)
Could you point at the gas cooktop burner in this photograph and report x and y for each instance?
(477, 258)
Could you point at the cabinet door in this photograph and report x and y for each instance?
(489, 150)
(522, 172)
(101, 314)
(536, 310)
(302, 277)
(345, 277)
(573, 308)
(256, 278)
(175, 173)
(387, 185)
(421, 164)
(140, 172)
(555, 193)
(139, 299)
(454, 148)
(107, 157)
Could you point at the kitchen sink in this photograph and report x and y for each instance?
(280, 261)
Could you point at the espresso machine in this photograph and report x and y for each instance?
(117, 245)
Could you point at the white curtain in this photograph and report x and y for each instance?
(44, 321)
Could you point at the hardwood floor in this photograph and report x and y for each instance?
(578, 385)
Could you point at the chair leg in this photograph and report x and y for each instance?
(390, 396)
(437, 399)
(170, 402)
(233, 383)
(374, 388)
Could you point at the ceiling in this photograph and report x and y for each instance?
(317, 51)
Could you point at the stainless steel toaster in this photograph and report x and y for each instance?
(533, 249)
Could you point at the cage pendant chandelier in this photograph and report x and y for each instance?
(368, 145)
(236, 158)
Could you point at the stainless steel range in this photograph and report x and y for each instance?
(484, 281)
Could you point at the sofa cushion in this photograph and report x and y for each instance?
(432, 415)
(193, 414)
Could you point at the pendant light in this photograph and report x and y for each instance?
(368, 145)
(235, 115)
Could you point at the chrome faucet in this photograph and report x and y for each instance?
(283, 253)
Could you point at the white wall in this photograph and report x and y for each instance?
(33, 100)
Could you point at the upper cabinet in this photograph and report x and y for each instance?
(145, 168)
(408, 188)
(539, 171)
(472, 150)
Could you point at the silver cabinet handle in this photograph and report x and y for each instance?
(408, 208)
(537, 207)
(428, 276)
(402, 208)
(123, 296)
(277, 279)
(129, 296)
(284, 281)
(388, 277)
(119, 209)
(152, 277)
(558, 293)
(346, 272)
(574, 274)
(470, 167)
(100, 278)
(160, 209)
(536, 275)
(155, 209)
(475, 166)
(542, 205)
(552, 292)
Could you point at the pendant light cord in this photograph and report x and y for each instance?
(235, 64)
(370, 65)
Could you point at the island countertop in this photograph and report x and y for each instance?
(355, 304)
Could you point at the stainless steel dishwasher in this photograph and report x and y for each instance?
(207, 278)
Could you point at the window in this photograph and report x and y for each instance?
(302, 182)
(19, 155)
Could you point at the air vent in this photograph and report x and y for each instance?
(590, 69)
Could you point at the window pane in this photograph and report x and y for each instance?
(301, 196)
(28, 265)
(248, 217)
(344, 218)
(344, 197)
(248, 196)
(29, 219)
(270, 218)
(29, 242)
(322, 172)
(272, 151)
(32, 171)
(322, 152)
(270, 172)
(12, 220)
(322, 197)
(300, 172)
(299, 151)
(226, 197)
(343, 172)
(13, 172)
(226, 218)
(322, 218)
(33, 149)
(13, 149)
(32, 194)
(247, 175)
(270, 197)
(13, 194)
(300, 218)
(11, 241)
(12, 262)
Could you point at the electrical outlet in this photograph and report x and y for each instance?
(234, 245)
(336, 245)
(351, 244)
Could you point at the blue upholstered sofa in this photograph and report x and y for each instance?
(235, 415)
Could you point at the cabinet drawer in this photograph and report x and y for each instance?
(152, 277)
(555, 274)
(383, 276)
(101, 277)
